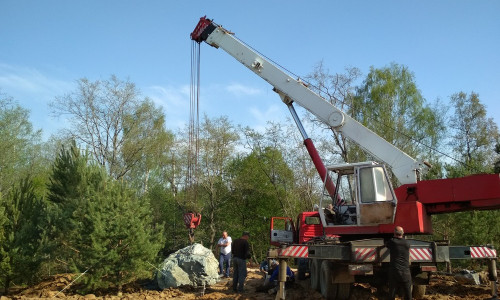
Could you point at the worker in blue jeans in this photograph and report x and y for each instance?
(241, 252)
(224, 244)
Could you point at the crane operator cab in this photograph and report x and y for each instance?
(363, 196)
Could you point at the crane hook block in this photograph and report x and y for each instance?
(192, 220)
(203, 29)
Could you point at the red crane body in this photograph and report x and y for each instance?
(349, 246)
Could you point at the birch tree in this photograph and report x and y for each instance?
(110, 118)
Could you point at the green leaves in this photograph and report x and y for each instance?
(474, 139)
(18, 144)
(390, 104)
(474, 136)
(98, 224)
(111, 208)
(122, 241)
(21, 214)
(121, 130)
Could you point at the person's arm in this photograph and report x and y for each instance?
(224, 244)
(247, 250)
(274, 276)
(262, 266)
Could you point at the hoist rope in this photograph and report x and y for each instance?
(194, 122)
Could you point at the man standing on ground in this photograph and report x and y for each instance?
(224, 244)
(399, 272)
(241, 251)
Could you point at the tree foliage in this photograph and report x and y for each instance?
(389, 103)
(473, 141)
(85, 220)
(339, 90)
(259, 187)
(19, 144)
(98, 225)
(73, 182)
(218, 138)
(474, 136)
(21, 219)
(122, 244)
(497, 163)
(109, 117)
(167, 215)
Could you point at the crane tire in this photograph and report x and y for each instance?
(328, 288)
(418, 291)
(302, 267)
(343, 291)
(314, 270)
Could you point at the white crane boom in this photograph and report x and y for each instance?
(403, 166)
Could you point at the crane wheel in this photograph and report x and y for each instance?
(343, 291)
(314, 270)
(328, 288)
(418, 291)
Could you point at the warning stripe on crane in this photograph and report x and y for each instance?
(364, 254)
(369, 254)
(420, 254)
(482, 252)
(294, 251)
(187, 219)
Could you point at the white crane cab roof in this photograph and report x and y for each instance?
(363, 196)
(348, 168)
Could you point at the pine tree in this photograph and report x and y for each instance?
(72, 182)
(21, 214)
(123, 243)
(99, 226)
(4, 258)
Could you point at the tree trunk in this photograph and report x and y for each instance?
(6, 286)
(146, 181)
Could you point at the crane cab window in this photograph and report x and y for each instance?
(312, 221)
(374, 185)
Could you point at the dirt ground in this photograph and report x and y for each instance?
(441, 288)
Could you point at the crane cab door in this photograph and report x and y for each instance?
(376, 201)
(282, 231)
(363, 196)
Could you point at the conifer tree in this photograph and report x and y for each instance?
(21, 214)
(99, 226)
(123, 244)
(4, 259)
(72, 183)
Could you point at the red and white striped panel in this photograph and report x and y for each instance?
(420, 254)
(187, 219)
(482, 252)
(365, 254)
(294, 251)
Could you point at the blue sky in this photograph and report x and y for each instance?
(46, 46)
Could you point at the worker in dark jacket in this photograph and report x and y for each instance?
(241, 252)
(399, 271)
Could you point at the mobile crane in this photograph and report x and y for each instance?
(349, 247)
